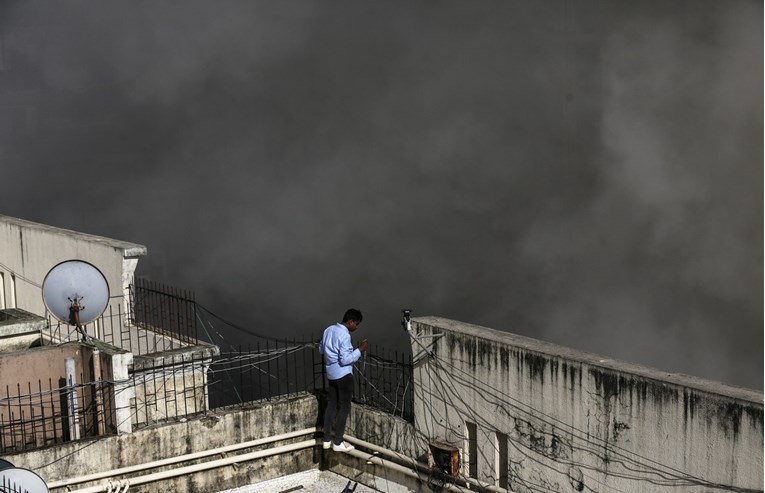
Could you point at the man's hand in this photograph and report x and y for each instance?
(363, 345)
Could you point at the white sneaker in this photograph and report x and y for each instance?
(343, 447)
(326, 445)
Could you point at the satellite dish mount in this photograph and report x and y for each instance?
(74, 315)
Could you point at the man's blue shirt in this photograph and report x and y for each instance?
(339, 355)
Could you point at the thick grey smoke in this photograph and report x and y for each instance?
(589, 173)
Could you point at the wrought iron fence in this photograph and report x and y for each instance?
(157, 318)
(164, 310)
(50, 413)
(168, 387)
(174, 386)
(384, 380)
(167, 383)
(264, 371)
(272, 369)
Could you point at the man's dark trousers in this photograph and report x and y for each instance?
(340, 393)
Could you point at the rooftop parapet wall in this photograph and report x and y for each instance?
(550, 418)
(171, 440)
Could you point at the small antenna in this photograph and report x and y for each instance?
(407, 322)
(65, 288)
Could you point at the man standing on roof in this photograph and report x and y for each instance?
(339, 357)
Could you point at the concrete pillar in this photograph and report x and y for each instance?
(123, 392)
(71, 399)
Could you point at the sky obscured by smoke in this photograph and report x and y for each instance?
(588, 173)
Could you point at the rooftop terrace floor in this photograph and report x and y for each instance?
(313, 481)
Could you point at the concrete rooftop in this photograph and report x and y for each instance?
(313, 481)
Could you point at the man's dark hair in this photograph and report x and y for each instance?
(352, 314)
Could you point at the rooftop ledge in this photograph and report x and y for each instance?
(128, 249)
(14, 321)
(554, 350)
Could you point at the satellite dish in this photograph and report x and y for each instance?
(22, 480)
(4, 464)
(75, 292)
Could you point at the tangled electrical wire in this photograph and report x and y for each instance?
(444, 377)
(623, 463)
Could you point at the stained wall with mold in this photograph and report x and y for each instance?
(531, 416)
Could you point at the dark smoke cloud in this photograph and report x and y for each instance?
(587, 173)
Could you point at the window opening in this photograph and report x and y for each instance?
(471, 446)
(501, 460)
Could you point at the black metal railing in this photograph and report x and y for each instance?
(157, 318)
(384, 380)
(164, 309)
(264, 371)
(168, 387)
(171, 385)
(49, 413)
(270, 370)
(174, 386)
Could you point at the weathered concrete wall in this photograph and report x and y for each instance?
(171, 440)
(30, 250)
(550, 418)
(389, 432)
(217, 429)
(171, 384)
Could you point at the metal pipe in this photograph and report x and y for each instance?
(416, 470)
(420, 475)
(181, 471)
(180, 458)
(415, 464)
(377, 448)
